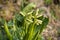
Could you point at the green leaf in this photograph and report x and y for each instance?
(48, 2)
(29, 8)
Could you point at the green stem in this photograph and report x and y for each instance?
(31, 33)
(36, 36)
(32, 30)
(7, 31)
